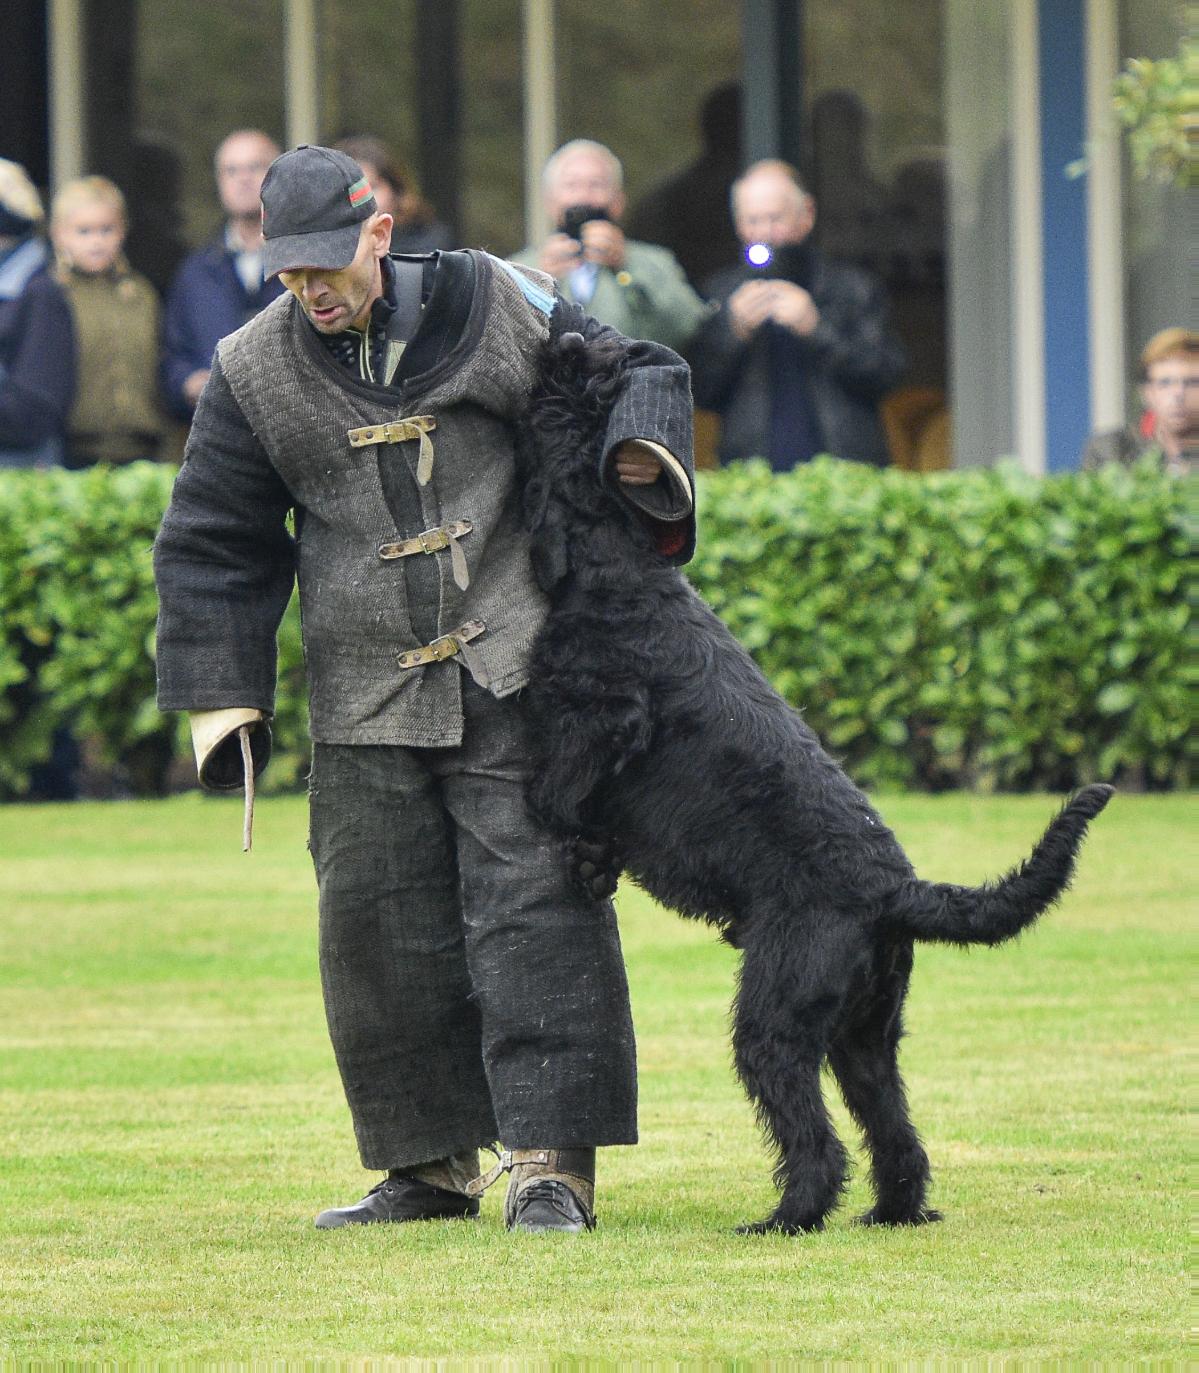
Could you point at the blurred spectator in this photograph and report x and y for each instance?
(37, 343)
(800, 351)
(635, 287)
(115, 417)
(416, 228)
(220, 286)
(689, 211)
(1169, 425)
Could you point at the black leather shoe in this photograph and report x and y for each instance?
(550, 1205)
(399, 1199)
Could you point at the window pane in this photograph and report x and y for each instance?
(493, 127)
(978, 119)
(1156, 218)
(204, 70)
(875, 158)
(633, 75)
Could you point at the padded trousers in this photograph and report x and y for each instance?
(472, 992)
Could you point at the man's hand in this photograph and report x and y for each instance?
(603, 244)
(559, 255)
(749, 307)
(636, 465)
(793, 308)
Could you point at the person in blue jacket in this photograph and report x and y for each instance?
(37, 339)
(220, 286)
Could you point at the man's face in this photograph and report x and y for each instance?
(89, 236)
(241, 163)
(338, 298)
(1172, 393)
(584, 178)
(771, 209)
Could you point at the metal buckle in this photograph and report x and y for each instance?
(444, 647)
(433, 539)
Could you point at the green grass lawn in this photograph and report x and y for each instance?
(171, 1120)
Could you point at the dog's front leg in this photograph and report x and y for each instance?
(596, 865)
(577, 750)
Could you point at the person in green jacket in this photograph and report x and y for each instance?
(637, 288)
(116, 416)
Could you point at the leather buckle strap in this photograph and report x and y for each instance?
(400, 431)
(428, 541)
(503, 1164)
(442, 648)
(575, 1164)
(431, 541)
(573, 1167)
(396, 431)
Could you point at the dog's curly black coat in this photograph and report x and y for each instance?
(654, 733)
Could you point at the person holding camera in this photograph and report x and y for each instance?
(637, 288)
(800, 351)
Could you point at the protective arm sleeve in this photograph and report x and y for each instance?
(654, 409)
(224, 563)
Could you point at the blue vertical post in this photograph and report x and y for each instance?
(1061, 29)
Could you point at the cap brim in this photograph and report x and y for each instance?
(331, 248)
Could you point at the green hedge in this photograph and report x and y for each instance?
(980, 629)
(977, 629)
(77, 609)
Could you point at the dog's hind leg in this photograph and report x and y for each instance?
(864, 1054)
(787, 1002)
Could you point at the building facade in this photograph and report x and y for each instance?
(942, 142)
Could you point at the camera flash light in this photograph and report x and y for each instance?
(758, 254)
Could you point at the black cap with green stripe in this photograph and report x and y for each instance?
(313, 203)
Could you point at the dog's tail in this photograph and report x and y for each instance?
(998, 911)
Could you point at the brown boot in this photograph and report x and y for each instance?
(550, 1189)
(454, 1172)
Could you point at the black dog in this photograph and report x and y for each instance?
(656, 736)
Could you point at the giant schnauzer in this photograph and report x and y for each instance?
(658, 740)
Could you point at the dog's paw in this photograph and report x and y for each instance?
(925, 1216)
(596, 867)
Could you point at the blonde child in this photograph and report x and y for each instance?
(116, 416)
